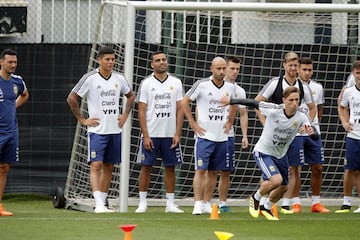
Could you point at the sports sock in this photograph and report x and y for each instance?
(222, 203)
(347, 200)
(142, 197)
(170, 198)
(296, 200)
(315, 200)
(286, 202)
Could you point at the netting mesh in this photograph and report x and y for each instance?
(191, 39)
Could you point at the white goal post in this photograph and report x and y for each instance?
(191, 34)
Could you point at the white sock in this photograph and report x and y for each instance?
(257, 195)
(98, 199)
(142, 197)
(347, 200)
(170, 199)
(103, 197)
(263, 200)
(296, 200)
(222, 203)
(315, 200)
(268, 204)
(286, 202)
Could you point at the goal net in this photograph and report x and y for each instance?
(192, 34)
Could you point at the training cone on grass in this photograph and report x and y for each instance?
(223, 235)
(214, 212)
(128, 230)
(274, 211)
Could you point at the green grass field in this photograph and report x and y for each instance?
(35, 218)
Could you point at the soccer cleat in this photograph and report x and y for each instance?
(319, 208)
(197, 209)
(296, 208)
(357, 210)
(102, 209)
(4, 213)
(344, 209)
(224, 209)
(141, 208)
(285, 210)
(173, 209)
(254, 209)
(267, 214)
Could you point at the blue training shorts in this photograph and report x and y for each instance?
(352, 159)
(231, 149)
(270, 166)
(210, 155)
(105, 148)
(170, 156)
(9, 148)
(304, 149)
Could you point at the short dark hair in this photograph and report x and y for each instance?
(7, 51)
(105, 50)
(290, 90)
(233, 59)
(156, 53)
(305, 60)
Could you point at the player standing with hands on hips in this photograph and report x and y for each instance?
(281, 126)
(13, 94)
(103, 88)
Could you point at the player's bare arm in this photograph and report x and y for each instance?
(23, 98)
(179, 124)
(344, 116)
(185, 103)
(73, 102)
(148, 144)
(261, 117)
(130, 100)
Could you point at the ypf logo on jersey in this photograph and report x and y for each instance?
(16, 90)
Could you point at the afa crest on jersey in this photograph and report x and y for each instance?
(171, 88)
(295, 124)
(16, 90)
(116, 86)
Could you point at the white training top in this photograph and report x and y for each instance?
(161, 98)
(239, 93)
(279, 131)
(103, 99)
(211, 116)
(351, 99)
(317, 92)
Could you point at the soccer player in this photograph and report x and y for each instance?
(103, 88)
(13, 94)
(312, 148)
(211, 128)
(272, 92)
(161, 120)
(349, 108)
(232, 72)
(281, 127)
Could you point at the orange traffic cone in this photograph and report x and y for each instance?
(127, 230)
(274, 211)
(214, 212)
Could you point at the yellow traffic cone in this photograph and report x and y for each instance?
(214, 212)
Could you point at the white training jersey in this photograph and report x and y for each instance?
(103, 99)
(239, 93)
(160, 98)
(317, 92)
(210, 115)
(279, 131)
(351, 99)
(268, 90)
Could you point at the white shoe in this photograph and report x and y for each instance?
(141, 208)
(197, 209)
(173, 209)
(102, 209)
(206, 208)
(357, 210)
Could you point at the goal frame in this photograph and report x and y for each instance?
(133, 6)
